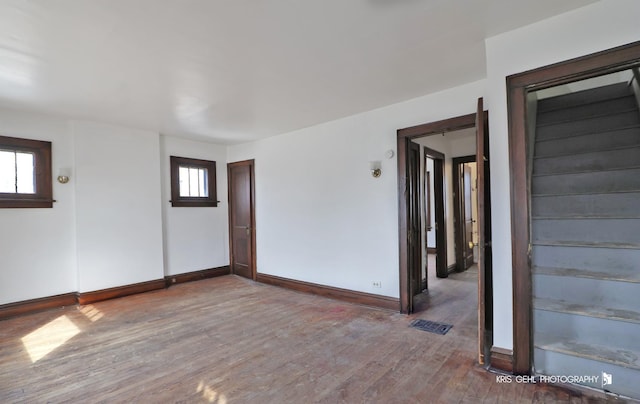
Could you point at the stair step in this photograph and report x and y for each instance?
(561, 306)
(592, 182)
(620, 335)
(620, 204)
(628, 136)
(595, 124)
(601, 353)
(614, 295)
(608, 233)
(586, 111)
(586, 258)
(586, 161)
(557, 362)
(584, 97)
(613, 274)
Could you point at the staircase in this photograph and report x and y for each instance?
(585, 225)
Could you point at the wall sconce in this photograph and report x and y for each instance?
(376, 168)
(63, 176)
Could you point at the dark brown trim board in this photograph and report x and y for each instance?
(501, 359)
(351, 296)
(35, 305)
(120, 291)
(196, 275)
(518, 86)
(71, 299)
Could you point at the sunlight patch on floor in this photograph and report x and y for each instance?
(91, 312)
(50, 336)
(210, 394)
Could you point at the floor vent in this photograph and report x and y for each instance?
(431, 326)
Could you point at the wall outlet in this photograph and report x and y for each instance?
(376, 284)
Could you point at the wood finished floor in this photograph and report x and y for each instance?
(230, 340)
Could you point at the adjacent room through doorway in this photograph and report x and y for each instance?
(428, 200)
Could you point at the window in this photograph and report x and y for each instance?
(25, 173)
(193, 182)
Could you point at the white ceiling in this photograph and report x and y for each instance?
(238, 70)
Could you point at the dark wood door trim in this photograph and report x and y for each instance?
(440, 222)
(404, 136)
(251, 165)
(458, 209)
(518, 86)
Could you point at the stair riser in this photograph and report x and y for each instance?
(621, 204)
(586, 111)
(584, 97)
(588, 330)
(596, 259)
(594, 182)
(622, 138)
(588, 292)
(596, 161)
(623, 231)
(625, 380)
(593, 125)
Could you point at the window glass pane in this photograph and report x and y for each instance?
(183, 177)
(193, 182)
(204, 189)
(25, 179)
(7, 171)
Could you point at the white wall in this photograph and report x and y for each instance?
(118, 213)
(194, 238)
(106, 227)
(590, 29)
(37, 253)
(320, 216)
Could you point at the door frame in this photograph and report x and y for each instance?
(518, 87)
(251, 164)
(440, 218)
(404, 136)
(459, 230)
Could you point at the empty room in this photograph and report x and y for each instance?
(384, 201)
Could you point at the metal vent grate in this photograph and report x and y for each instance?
(431, 326)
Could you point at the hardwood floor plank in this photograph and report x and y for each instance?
(228, 339)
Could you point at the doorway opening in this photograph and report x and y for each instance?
(428, 144)
(567, 227)
(443, 255)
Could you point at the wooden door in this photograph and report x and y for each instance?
(414, 230)
(242, 218)
(483, 195)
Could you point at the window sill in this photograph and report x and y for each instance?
(26, 203)
(194, 204)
